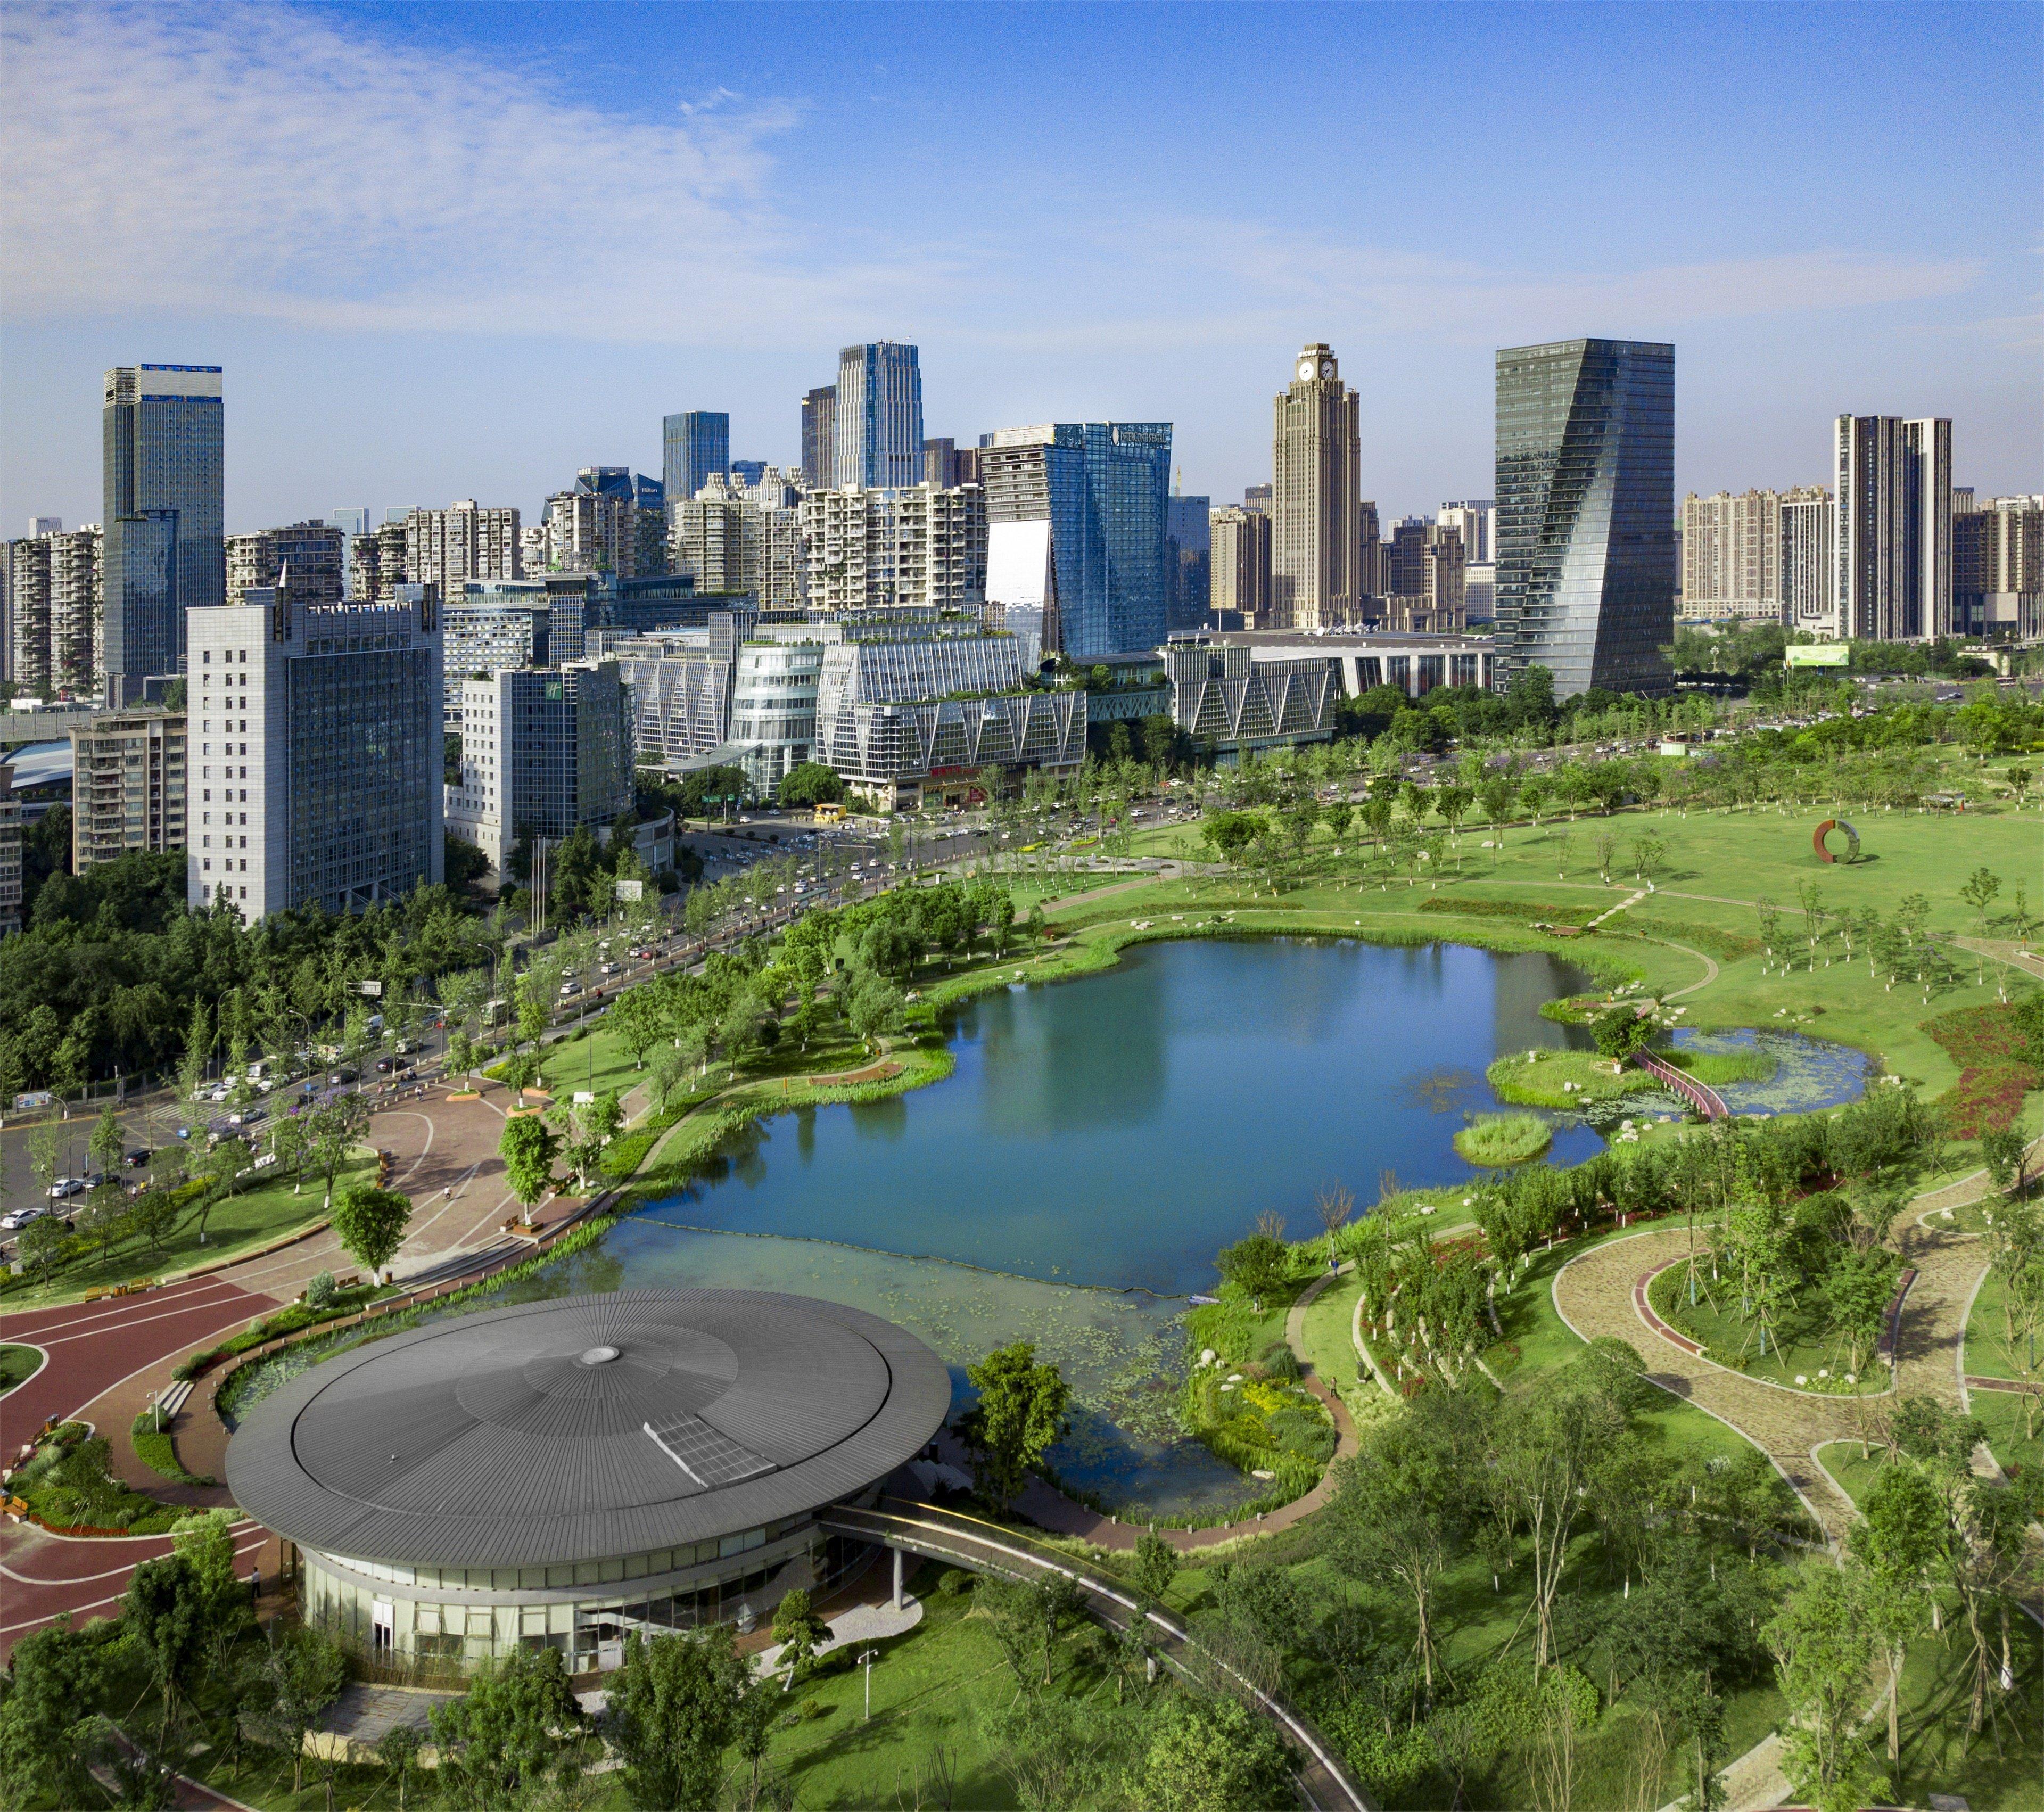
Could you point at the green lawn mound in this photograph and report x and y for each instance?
(1504, 1138)
(17, 1365)
(1562, 1079)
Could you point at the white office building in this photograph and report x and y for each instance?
(314, 752)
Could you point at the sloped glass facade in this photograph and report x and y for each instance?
(1586, 546)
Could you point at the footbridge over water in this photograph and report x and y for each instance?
(910, 1527)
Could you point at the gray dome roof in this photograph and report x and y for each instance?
(587, 1427)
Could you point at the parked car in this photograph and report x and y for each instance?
(607, 969)
(65, 1187)
(384, 1066)
(569, 988)
(135, 1160)
(20, 1217)
(341, 1076)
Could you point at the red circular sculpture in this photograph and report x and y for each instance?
(1829, 825)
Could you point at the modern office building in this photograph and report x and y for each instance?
(695, 448)
(1258, 498)
(1228, 701)
(947, 465)
(315, 552)
(569, 1473)
(319, 748)
(1891, 562)
(161, 441)
(1188, 562)
(352, 524)
(494, 624)
(820, 438)
(1426, 577)
(127, 784)
(680, 681)
(870, 550)
(1076, 532)
(542, 750)
(466, 540)
(1586, 560)
(877, 423)
(45, 525)
(1316, 454)
(916, 706)
(774, 699)
(1372, 557)
(750, 471)
(1240, 566)
(50, 608)
(1998, 568)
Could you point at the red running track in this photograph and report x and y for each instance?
(92, 1346)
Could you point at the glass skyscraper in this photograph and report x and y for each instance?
(1103, 487)
(876, 425)
(1188, 548)
(1586, 548)
(693, 446)
(161, 442)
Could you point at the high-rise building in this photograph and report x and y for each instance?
(1426, 577)
(1076, 532)
(494, 624)
(1732, 562)
(1188, 562)
(1808, 537)
(749, 471)
(45, 525)
(1586, 560)
(1240, 562)
(50, 603)
(1891, 567)
(1373, 553)
(161, 442)
(1258, 498)
(377, 563)
(1475, 520)
(646, 524)
(353, 523)
(466, 540)
(543, 751)
(10, 851)
(319, 751)
(733, 538)
(315, 552)
(127, 784)
(1998, 568)
(876, 549)
(820, 438)
(947, 465)
(695, 448)
(1317, 456)
(876, 425)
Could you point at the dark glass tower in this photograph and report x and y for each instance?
(876, 425)
(693, 447)
(161, 442)
(1586, 547)
(1188, 548)
(820, 438)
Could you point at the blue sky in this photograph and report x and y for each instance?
(453, 252)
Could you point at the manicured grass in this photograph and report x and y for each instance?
(1855, 1475)
(1987, 1349)
(1715, 1069)
(154, 1448)
(2002, 1412)
(1504, 1138)
(1732, 1340)
(17, 1365)
(244, 1221)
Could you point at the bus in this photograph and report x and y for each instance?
(829, 811)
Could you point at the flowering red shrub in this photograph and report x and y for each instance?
(1993, 1077)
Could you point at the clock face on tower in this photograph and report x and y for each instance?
(1327, 368)
(1305, 371)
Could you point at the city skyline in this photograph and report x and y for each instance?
(1047, 292)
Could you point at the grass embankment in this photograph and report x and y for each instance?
(1504, 1138)
(237, 1225)
(155, 1449)
(17, 1365)
(1800, 1355)
(1563, 1078)
(68, 1483)
(2015, 1429)
(1248, 1407)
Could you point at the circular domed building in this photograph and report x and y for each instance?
(563, 1473)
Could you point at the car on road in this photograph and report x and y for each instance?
(385, 1066)
(608, 968)
(341, 1076)
(135, 1160)
(66, 1187)
(20, 1217)
(570, 987)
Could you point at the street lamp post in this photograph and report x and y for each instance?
(866, 1661)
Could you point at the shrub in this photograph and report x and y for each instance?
(1504, 1138)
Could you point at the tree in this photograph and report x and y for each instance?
(370, 1223)
(40, 1245)
(872, 1006)
(225, 1613)
(516, 1734)
(1156, 1564)
(165, 1613)
(636, 1017)
(800, 1630)
(1260, 1265)
(45, 1146)
(398, 1750)
(1822, 1644)
(330, 1133)
(107, 1142)
(527, 1147)
(808, 783)
(1621, 1032)
(1020, 1414)
(2002, 1150)
(674, 1711)
(1898, 1538)
(216, 1170)
(1980, 888)
(1215, 1755)
(58, 1674)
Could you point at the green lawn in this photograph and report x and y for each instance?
(17, 1365)
(1987, 1353)
(1733, 1342)
(243, 1221)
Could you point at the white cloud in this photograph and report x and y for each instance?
(257, 161)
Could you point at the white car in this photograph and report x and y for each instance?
(607, 969)
(66, 1187)
(21, 1217)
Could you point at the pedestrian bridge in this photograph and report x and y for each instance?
(1324, 1784)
